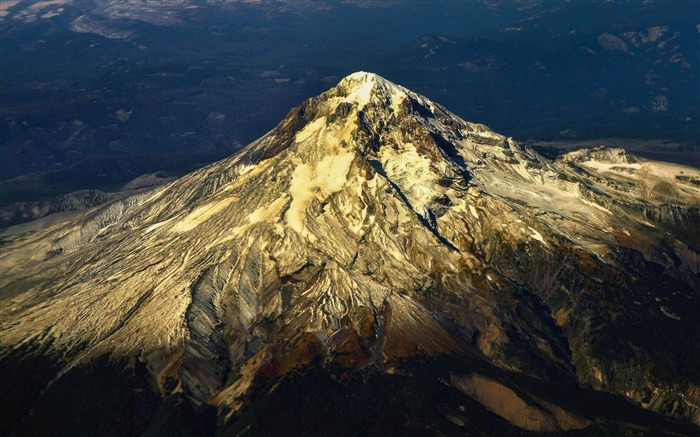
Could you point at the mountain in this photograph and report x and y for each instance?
(372, 265)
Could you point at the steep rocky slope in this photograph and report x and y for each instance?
(373, 235)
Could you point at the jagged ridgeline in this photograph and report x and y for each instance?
(372, 265)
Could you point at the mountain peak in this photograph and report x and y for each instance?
(370, 125)
(364, 77)
(359, 87)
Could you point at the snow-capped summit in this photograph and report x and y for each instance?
(361, 84)
(370, 228)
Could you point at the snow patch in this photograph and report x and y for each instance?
(595, 205)
(267, 211)
(410, 171)
(473, 211)
(245, 168)
(310, 129)
(537, 236)
(326, 177)
(607, 166)
(201, 215)
(154, 226)
(362, 94)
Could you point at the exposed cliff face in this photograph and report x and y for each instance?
(372, 228)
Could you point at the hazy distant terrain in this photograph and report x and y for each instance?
(94, 94)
